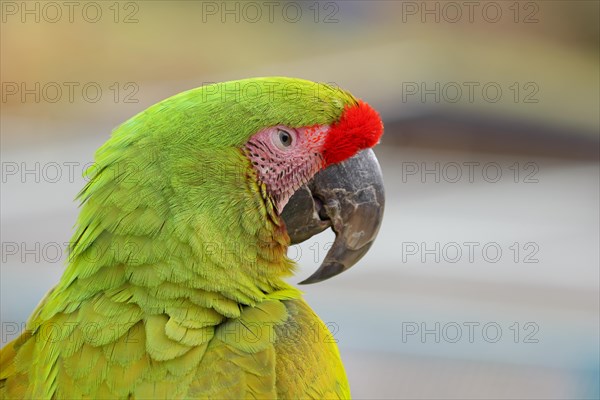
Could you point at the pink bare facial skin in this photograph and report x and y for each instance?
(286, 158)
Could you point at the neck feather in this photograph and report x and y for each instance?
(193, 229)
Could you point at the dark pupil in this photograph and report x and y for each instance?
(286, 138)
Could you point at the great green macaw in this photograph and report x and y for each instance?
(175, 286)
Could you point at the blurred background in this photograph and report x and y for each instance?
(484, 281)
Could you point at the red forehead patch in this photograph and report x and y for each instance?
(359, 127)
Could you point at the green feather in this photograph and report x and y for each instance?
(175, 282)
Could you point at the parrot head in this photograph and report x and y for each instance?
(340, 188)
(251, 166)
(183, 233)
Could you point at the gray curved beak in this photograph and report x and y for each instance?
(349, 197)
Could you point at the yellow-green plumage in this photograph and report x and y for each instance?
(174, 287)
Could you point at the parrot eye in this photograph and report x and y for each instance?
(283, 139)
